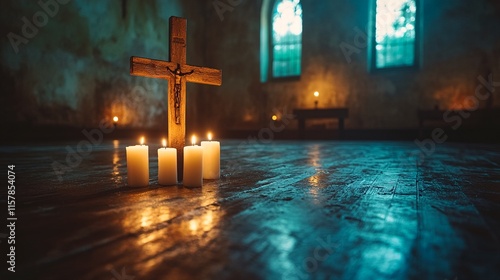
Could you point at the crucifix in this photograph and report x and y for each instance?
(177, 73)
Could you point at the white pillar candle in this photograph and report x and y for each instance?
(193, 165)
(167, 165)
(138, 165)
(211, 158)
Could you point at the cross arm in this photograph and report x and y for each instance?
(153, 68)
(203, 75)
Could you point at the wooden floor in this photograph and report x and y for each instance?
(283, 210)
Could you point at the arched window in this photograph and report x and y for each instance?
(395, 33)
(286, 27)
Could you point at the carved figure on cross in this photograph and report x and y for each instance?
(177, 73)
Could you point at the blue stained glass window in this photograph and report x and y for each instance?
(287, 38)
(395, 33)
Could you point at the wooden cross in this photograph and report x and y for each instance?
(177, 73)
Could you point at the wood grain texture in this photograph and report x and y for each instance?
(178, 40)
(284, 210)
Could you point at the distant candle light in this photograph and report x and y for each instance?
(316, 94)
(115, 119)
(274, 118)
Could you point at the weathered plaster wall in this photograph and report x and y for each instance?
(75, 69)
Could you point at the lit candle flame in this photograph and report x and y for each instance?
(115, 119)
(209, 136)
(274, 118)
(193, 140)
(316, 93)
(142, 140)
(164, 142)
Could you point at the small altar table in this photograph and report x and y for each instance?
(327, 113)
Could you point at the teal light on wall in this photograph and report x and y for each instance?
(264, 41)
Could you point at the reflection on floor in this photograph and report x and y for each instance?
(284, 210)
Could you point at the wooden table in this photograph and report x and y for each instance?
(327, 113)
(284, 210)
(480, 118)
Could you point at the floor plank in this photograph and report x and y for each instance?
(282, 210)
